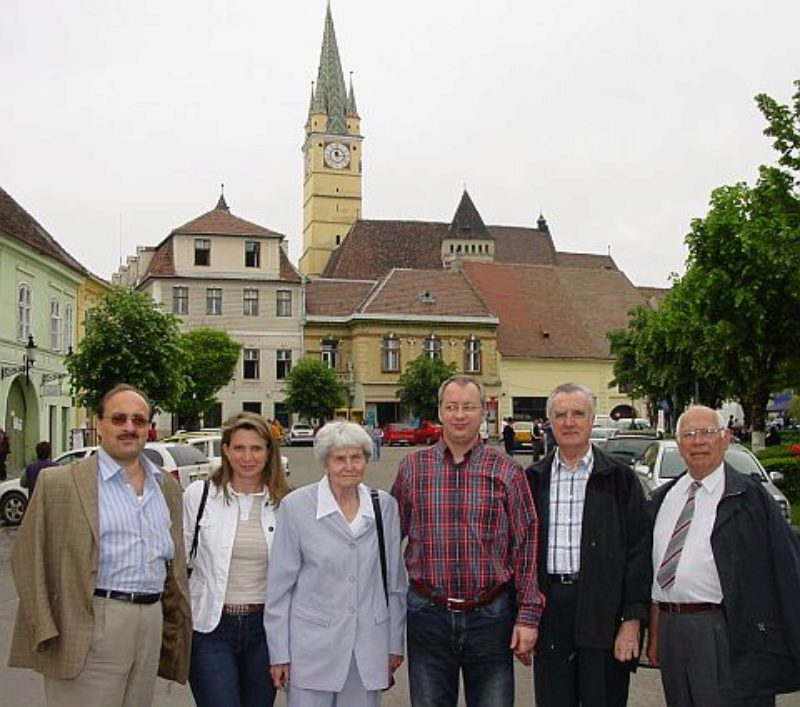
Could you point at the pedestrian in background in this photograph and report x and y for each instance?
(5, 450)
(725, 619)
(229, 521)
(377, 439)
(509, 440)
(103, 605)
(594, 563)
(43, 452)
(473, 601)
(335, 622)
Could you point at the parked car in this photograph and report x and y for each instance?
(427, 433)
(599, 435)
(13, 501)
(299, 433)
(626, 447)
(395, 433)
(662, 461)
(183, 461)
(211, 447)
(523, 434)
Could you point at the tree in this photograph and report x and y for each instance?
(313, 390)
(783, 124)
(419, 385)
(210, 361)
(128, 339)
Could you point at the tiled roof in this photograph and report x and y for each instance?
(467, 222)
(162, 264)
(437, 293)
(336, 298)
(554, 312)
(17, 223)
(654, 295)
(220, 222)
(289, 273)
(585, 260)
(373, 248)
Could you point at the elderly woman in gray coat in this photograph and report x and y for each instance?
(335, 638)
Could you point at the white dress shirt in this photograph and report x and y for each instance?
(327, 504)
(696, 579)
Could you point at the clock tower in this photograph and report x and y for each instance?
(332, 158)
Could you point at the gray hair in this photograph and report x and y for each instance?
(461, 380)
(338, 434)
(720, 418)
(568, 388)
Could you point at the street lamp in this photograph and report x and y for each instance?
(28, 362)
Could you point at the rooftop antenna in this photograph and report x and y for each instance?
(120, 239)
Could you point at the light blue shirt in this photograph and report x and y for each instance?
(135, 540)
(567, 496)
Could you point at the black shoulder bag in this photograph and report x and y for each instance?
(376, 506)
(193, 550)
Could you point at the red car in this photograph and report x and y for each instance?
(427, 433)
(399, 433)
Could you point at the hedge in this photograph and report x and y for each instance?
(774, 452)
(790, 468)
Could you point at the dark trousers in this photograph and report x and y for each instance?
(566, 675)
(693, 651)
(230, 665)
(442, 644)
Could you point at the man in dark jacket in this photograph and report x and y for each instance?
(593, 560)
(725, 620)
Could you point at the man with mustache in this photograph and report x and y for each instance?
(100, 570)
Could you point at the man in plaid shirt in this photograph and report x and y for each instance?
(473, 600)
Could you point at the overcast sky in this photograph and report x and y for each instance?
(119, 119)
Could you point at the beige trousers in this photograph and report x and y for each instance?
(122, 665)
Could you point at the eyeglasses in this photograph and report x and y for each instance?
(465, 407)
(118, 419)
(700, 433)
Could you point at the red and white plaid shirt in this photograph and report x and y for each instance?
(470, 526)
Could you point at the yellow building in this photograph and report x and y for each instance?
(332, 160)
(369, 330)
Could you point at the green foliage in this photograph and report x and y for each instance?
(776, 452)
(313, 390)
(419, 385)
(210, 361)
(128, 340)
(794, 408)
(784, 126)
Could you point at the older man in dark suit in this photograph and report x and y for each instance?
(100, 570)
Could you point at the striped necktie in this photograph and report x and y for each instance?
(672, 556)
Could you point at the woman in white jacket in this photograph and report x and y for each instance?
(234, 534)
(335, 636)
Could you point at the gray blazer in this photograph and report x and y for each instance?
(325, 597)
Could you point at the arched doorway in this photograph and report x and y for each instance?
(624, 412)
(21, 424)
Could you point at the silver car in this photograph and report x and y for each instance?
(661, 461)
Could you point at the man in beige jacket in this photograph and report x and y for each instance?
(100, 570)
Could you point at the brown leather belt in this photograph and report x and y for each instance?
(458, 605)
(672, 607)
(242, 609)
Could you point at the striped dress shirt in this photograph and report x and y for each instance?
(567, 496)
(135, 541)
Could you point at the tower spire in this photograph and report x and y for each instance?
(352, 109)
(330, 95)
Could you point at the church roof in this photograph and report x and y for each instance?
(18, 224)
(548, 311)
(330, 94)
(467, 222)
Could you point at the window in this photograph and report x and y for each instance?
(55, 324)
(202, 251)
(69, 325)
(252, 254)
(251, 365)
(250, 302)
(472, 355)
(180, 300)
(284, 303)
(433, 347)
(390, 354)
(213, 300)
(252, 407)
(23, 313)
(329, 352)
(284, 364)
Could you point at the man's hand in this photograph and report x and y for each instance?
(395, 661)
(523, 639)
(280, 675)
(626, 645)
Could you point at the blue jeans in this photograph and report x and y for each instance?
(230, 665)
(442, 643)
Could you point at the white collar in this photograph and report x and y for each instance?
(709, 483)
(327, 503)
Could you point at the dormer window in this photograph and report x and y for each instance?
(202, 251)
(252, 254)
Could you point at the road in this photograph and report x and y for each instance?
(24, 687)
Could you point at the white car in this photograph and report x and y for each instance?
(13, 501)
(300, 433)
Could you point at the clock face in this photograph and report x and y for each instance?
(337, 155)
